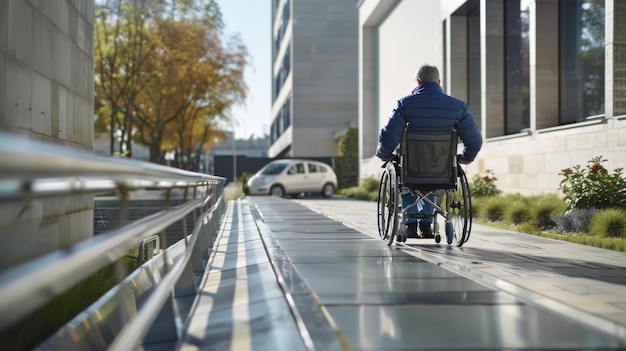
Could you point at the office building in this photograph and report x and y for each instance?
(314, 76)
(544, 79)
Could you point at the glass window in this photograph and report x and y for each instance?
(273, 168)
(298, 168)
(473, 61)
(314, 168)
(581, 59)
(516, 67)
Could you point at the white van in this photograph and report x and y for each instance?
(293, 177)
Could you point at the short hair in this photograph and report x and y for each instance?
(428, 74)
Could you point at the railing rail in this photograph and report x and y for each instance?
(31, 170)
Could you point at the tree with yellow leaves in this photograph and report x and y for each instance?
(165, 75)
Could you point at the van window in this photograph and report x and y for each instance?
(298, 168)
(273, 168)
(315, 168)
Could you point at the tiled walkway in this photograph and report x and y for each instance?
(312, 274)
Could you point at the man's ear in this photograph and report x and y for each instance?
(439, 81)
(419, 82)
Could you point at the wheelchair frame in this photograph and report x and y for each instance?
(427, 168)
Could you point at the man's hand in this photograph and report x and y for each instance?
(460, 160)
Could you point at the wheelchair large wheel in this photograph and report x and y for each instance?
(460, 211)
(383, 205)
(388, 204)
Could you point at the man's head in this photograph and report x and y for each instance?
(428, 74)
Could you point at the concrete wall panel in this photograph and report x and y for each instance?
(3, 88)
(20, 30)
(24, 86)
(46, 93)
(4, 26)
(40, 105)
(61, 58)
(324, 74)
(401, 55)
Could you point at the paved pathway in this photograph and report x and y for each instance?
(311, 274)
(584, 281)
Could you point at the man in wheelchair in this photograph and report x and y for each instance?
(427, 109)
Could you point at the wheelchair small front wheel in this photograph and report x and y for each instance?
(449, 232)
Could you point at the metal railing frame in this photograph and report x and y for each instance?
(31, 170)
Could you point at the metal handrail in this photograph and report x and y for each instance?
(139, 326)
(40, 280)
(153, 240)
(32, 170)
(30, 159)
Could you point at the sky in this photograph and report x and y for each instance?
(252, 20)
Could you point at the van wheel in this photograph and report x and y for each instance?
(277, 190)
(328, 190)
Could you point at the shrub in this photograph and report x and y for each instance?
(36, 328)
(347, 171)
(359, 193)
(603, 233)
(516, 197)
(529, 228)
(492, 209)
(367, 190)
(517, 208)
(574, 221)
(610, 223)
(244, 182)
(593, 186)
(370, 184)
(484, 186)
(544, 207)
(477, 206)
(346, 165)
(517, 212)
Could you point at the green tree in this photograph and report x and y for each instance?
(347, 164)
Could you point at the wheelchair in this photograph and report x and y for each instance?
(426, 167)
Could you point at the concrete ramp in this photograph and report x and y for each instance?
(285, 277)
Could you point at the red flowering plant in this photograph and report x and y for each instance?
(484, 185)
(593, 186)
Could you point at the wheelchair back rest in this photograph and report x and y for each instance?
(429, 160)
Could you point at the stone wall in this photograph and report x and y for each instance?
(46, 94)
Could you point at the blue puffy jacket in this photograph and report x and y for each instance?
(429, 109)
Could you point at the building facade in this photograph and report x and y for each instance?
(544, 79)
(314, 76)
(46, 94)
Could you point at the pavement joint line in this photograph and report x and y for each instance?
(308, 298)
(527, 296)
